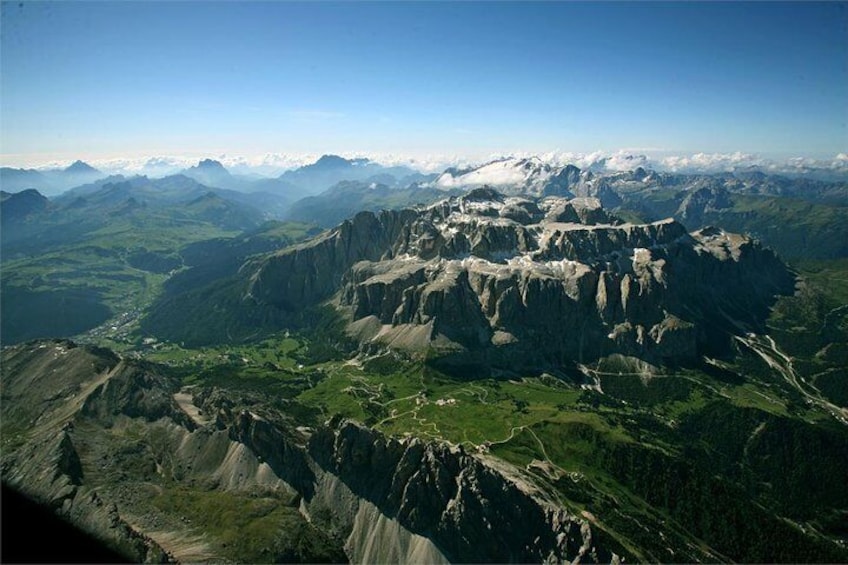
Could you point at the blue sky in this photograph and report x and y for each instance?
(119, 78)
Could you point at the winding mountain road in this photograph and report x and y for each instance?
(767, 349)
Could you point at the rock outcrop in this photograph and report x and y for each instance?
(490, 280)
(307, 273)
(468, 509)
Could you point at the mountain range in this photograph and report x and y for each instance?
(49, 182)
(797, 217)
(517, 361)
(333, 188)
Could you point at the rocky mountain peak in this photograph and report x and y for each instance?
(486, 280)
(484, 194)
(211, 173)
(209, 165)
(20, 205)
(78, 167)
(331, 162)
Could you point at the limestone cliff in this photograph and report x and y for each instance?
(468, 509)
(492, 280)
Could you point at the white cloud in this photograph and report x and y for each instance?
(157, 165)
(269, 164)
(625, 162)
(729, 162)
(274, 163)
(710, 162)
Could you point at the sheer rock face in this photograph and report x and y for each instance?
(471, 511)
(465, 507)
(494, 279)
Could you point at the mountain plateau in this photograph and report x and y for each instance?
(495, 281)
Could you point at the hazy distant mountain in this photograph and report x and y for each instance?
(21, 205)
(32, 224)
(332, 169)
(15, 180)
(211, 173)
(74, 175)
(275, 186)
(50, 182)
(174, 190)
(80, 168)
(347, 198)
(272, 195)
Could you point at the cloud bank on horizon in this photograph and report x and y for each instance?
(273, 164)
